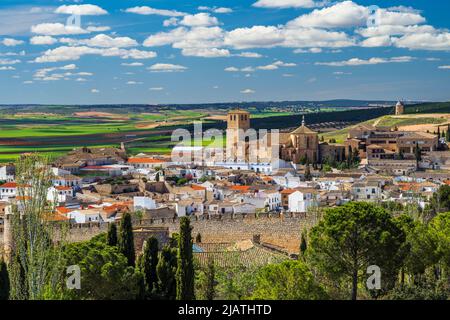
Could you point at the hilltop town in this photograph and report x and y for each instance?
(96, 186)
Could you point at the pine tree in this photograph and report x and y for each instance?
(112, 235)
(126, 241)
(185, 270)
(148, 263)
(4, 281)
(447, 135)
(198, 238)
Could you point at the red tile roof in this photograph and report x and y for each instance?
(197, 187)
(145, 160)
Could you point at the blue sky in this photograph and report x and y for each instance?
(172, 51)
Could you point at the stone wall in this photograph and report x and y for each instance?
(283, 231)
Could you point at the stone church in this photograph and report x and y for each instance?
(302, 144)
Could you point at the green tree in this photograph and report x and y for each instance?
(112, 235)
(185, 270)
(4, 281)
(210, 280)
(198, 238)
(289, 280)
(148, 263)
(352, 237)
(105, 272)
(37, 258)
(166, 271)
(303, 243)
(439, 229)
(126, 240)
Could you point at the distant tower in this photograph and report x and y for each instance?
(238, 121)
(399, 108)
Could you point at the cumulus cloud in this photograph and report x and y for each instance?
(103, 41)
(424, 41)
(285, 4)
(66, 53)
(362, 62)
(43, 40)
(7, 68)
(379, 41)
(166, 67)
(444, 67)
(248, 91)
(145, 10)
(249, 55)
(95, 91)
(81, 10)
(199, 20)
(57, 29)
(10, 42)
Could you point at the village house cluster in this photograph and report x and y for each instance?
(97, 185)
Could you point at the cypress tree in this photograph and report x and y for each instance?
(149, 262)
(4, 281)
(112, 235)
(210, 281)
(308, 176)
(198, 238)
(166, 270)
(126, 241)
(303, 243)
(185, 269)
(447, 135)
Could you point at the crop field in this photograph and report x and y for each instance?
(55, 134)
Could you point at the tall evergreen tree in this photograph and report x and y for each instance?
(185, 270)
(303, 243)
(166, 271)
(210, 281)
(447, 134)
(112, 235)
(149, 261)
(126, 240)
(308, 175)
(4, 281)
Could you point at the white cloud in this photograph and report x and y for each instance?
(43, 40)
(132, 64)
(56, 29)
(349, 14)
(95, 91)
(380, 41)
(145, 10)
(7, 68)
(249, 55)
(156, 89)
(28, 82)
(276, 65)
(133, 82)
(254, 37)
(444, 67)
(166, 67)
(285, 4)
(362, 62)
(9, 42)
(387, 30)
(199, 20)
(424, 41)
(232, 69)
(81, 10)
(9, 61)
(66, 53)
(215, 9)
(248, 91)
(342, 14)
(205, 52)
(170, 22)
(98, 28)
(103, 41)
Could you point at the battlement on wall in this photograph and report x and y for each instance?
(281, 230)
